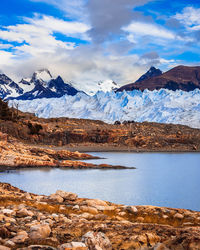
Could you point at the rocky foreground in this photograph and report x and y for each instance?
(64, 221)
(15, 154)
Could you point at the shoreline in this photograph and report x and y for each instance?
(112, 148)
(94, 167)
(63, 220)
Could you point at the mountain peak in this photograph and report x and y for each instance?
(150, 73)
(42, 75)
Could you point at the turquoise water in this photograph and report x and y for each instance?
(161, 179)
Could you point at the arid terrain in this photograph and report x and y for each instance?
(87, 134)
(64, 221)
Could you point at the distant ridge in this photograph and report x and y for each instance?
(185, 78)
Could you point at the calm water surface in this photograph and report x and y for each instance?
(161, 179)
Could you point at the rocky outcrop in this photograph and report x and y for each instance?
(14, 154)
(88, 134)
(78, 223)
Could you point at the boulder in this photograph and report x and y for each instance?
(67, 195)
(40, 231)
(38, 247)
(24, 213)
(56, 197)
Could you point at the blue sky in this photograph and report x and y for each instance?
(92, 40)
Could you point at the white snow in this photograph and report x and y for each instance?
(92, 88)
(43, 75)
(26, 87)
(162, 106)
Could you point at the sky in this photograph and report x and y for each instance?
(87, 41)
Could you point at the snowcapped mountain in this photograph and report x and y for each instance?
(8, 87)
(91, 89)
(164, 106)
(41, 85)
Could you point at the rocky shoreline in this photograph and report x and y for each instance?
(64, 221)
(15, 155)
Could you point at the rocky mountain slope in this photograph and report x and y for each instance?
(179, 78)
(152, 72)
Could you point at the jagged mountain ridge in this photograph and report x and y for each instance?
(41, 85)
(184, 78)
(8, 87)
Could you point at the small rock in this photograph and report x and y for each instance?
(94, 203)
(27, 196)
(131, 209)
(9, 243)
(140, 219)
(160, 246)
(8, 212)
(73, 245)
(20, 238)
(4, 233)
(38, 247)
(24, 213)
(178, 216)
(76, 207)
(4, 248)
(88, 209)
(97, 241)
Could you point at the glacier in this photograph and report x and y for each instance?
(162, 106)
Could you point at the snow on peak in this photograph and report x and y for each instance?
(91, 88)
(42, 75)
(107, 85)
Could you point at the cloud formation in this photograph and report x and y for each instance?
(96, 40)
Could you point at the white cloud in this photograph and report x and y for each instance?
(5, 46)
(147, 29)
(72, 8)
(52, 24)
(38, 34)
(190, 18)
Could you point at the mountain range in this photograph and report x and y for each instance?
(40, 85)
(43, 85)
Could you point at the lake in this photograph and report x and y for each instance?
(161, 179)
